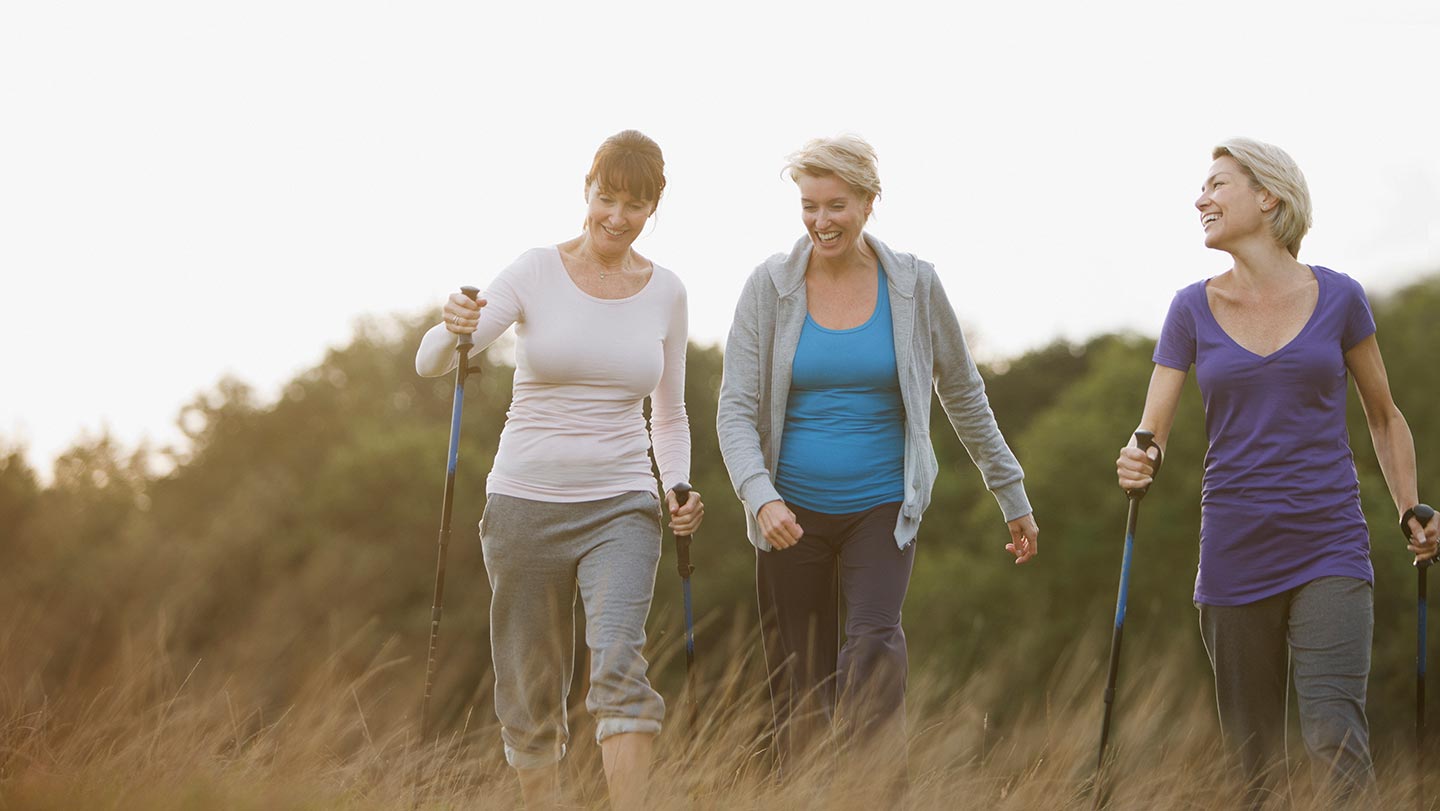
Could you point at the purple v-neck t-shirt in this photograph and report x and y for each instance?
(1280, 504)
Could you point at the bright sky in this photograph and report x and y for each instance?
(189, 190)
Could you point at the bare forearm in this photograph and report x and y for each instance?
(1161, 400)
(1395, 450)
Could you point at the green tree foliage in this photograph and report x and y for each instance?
(305, 528)
(19, 498)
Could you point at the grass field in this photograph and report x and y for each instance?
(148, 731)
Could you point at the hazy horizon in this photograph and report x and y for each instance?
(191, 192)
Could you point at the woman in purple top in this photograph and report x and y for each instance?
(1285, 570)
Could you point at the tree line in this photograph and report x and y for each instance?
(288, 531)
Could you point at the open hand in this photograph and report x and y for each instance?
(1024, 538)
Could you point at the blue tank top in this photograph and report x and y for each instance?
(843, 448)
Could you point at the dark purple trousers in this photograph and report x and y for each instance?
(818, 686)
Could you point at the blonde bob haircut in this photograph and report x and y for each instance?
(1271, 169)
(848, 157)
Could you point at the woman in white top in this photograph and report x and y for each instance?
(571, 503)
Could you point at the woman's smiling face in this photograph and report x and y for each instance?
(834, 214)
(614, 219)
(1231, 208)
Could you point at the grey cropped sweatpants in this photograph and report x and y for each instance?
(538, 555)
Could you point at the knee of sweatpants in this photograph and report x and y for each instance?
(621, 698)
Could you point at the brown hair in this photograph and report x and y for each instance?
(631, 162)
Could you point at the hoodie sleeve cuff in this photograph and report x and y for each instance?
(1012, 499)
(758, 491)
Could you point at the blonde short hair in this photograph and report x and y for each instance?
(1271, 169)
(848, 157)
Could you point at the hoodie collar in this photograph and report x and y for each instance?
(787, 271)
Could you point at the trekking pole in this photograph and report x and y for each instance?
(463, 343)
(1145, 440)
(1422, 513)
(682, 563)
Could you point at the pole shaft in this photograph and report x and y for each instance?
(443, 543)
(1420, 629)
(1144, 440)
(689, 628)
(1117, 635)
(692, 708)
(682, 565)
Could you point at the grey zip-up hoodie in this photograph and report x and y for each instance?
(930, 351)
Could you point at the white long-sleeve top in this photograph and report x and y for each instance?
(576, 427)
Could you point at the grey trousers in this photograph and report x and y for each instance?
(1324, 629)
(538, 555)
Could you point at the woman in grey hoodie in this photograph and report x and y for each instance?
(834, 349)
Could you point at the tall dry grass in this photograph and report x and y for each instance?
(145, 730)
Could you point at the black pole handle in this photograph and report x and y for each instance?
(473, 293)
(1422, 513)
(1145, 440)
(682, 493)
(682, 542)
